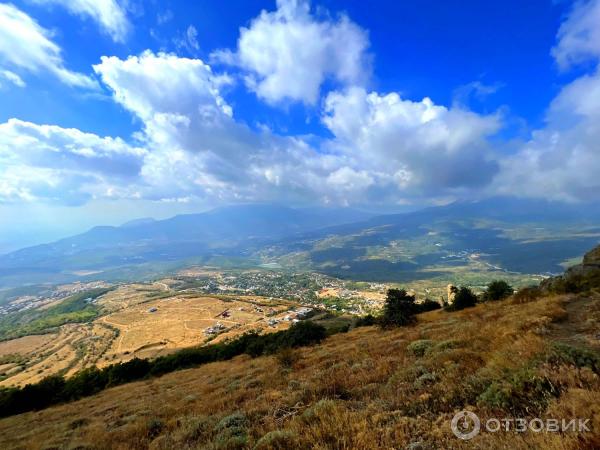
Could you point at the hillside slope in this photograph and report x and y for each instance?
(364, 389)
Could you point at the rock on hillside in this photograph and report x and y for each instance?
(592, 258)
(578, 278)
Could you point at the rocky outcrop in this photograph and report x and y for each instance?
(592, 258)
(579, 277)
(451, 291)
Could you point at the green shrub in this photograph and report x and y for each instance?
(427, 305)
(498, 290)
(526, 295)
(154, 427)
(236, 442)
(399, 309)
(420, 347)
(322, 408)
(576, 356)
(425, 380)
(521, 392)
(231, 432)
(448, 344)
(365, 321)
(464, 298)
(235, 420)
(278, 440)
(575, 280)
(193, 429)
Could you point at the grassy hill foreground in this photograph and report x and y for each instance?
(364, 389)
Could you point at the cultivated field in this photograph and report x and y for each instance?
(138, 320)
(37, 356)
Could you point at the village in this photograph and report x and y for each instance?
(48, 296)
(309, 289)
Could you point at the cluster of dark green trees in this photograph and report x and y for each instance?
(400, 308)
(56, 389)
(465, 297)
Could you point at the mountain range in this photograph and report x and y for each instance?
(526, 236)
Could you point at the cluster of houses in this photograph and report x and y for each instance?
(293, 316)
(215, 329)
(26, 302)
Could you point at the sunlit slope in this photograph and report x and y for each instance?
(364, 389)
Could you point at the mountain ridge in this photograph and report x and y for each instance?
(248, 235)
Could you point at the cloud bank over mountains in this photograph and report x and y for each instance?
(381, 149)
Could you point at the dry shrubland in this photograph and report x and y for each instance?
(365, 389)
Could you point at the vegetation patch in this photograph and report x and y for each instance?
(576, 356)
(420, 347)
(278, 440)
(77, 308)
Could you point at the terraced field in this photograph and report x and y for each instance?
(138, 320)
(72, 348)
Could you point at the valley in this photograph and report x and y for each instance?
(368, 388)
(516, 237)
(98, 317)
(195, 306)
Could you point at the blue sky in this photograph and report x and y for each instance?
(428, 48)
(112, 110)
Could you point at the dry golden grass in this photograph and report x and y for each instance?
(25, 344)
(45, 354)
(129, 330)
(366, 389)
(180, 321)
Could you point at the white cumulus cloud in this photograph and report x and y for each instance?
(579, 35)
(109, 15)
(162, 83)
(190, 146)
(25, 45)
(382, 148)
(562, 159)
(287, 54)
(421, 146)
(50, 163)
(12, 78)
